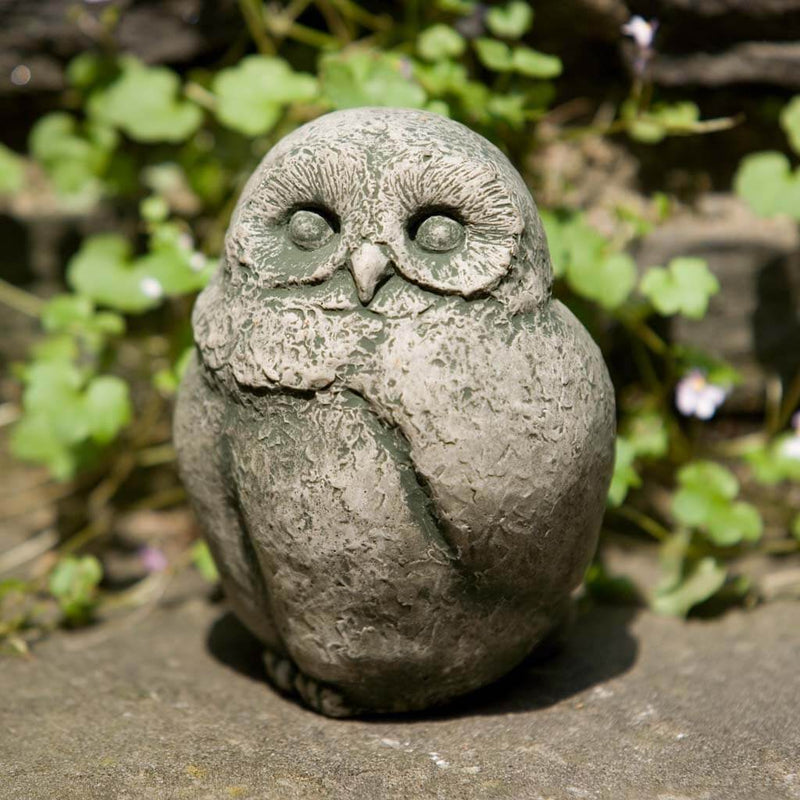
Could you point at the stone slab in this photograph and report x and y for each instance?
(172, 705)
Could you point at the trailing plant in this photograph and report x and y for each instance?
(170, 152)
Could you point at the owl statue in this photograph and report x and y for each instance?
(397, 444)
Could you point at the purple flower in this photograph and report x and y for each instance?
(791, 446)
(696, 397)
(153, 559)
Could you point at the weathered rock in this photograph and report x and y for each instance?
(754, 321)
(175, 706)
(44, 34)
(776, 63)
(398, 445)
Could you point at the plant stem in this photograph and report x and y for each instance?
(253, 13)
(20, 300)
(647, 524)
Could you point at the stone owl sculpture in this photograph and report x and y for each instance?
(397, 444)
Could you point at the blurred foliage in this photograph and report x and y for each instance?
(169, 153)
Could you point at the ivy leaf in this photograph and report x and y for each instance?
(103, 271)
(648, 434)
(510, 21)
(73, 582)
(534, 64)
(494, 55)
(508, 107)
(684, 287)
(705, 580)
(705, 501)
(625, 476)
(74, 157)
(608, 281)
(775, 462)
(790, 122)
(12, 171)
(108, 407)
(707, 476)
(204, 562)
(369, 78)
(252, 96)
(440, 42)
(654, 124)
(144, 103)
(768, 185)
(32, 440)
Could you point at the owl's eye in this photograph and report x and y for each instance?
(438, 233)
(309, 229)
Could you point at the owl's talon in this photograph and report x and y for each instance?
(283, 673)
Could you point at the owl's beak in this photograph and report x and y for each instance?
(369, 265)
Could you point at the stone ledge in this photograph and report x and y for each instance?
(636, 707)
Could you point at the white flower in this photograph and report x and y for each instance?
(790, 448)
(186, 242)
(641, 31)
(696, 397)
(197, 262)
(151, 288)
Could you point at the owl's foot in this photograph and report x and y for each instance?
(285, 675)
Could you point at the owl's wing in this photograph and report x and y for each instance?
(510, 423)
(198, 426)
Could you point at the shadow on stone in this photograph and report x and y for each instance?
(597, 647)
(234, 646)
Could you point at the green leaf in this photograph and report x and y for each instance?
(103, 271)
(510, 21)
(440, 42)
(709, 477)
(65, 311)
(536, 65)
(12, 171)
(75, 314)
(705, 501)
(652, 125)
(494, 55)
(625, 476)
(108, 407)
(775, 462)
(509, 108)
(795, 530)
(32, 440)
(144, 102)
(608, 282)
(648, 434)
(73, 582)
(705, 580)
(737, 522)
(684, 287)
(204, 562)
(75, 157)
(766, 182)
(252, 96)
(790, 122)
(369, 78)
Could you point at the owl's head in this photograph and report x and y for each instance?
(381, 192)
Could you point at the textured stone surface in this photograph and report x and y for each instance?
(634, 708)
(398, 445)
